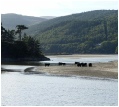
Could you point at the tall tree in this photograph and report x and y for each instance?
(6, 35)
(20, 28)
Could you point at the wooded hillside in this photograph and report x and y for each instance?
(94, 32)
(88, 32)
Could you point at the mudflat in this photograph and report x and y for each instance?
(104, 70)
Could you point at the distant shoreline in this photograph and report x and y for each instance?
(81, 55)
(98, 69)
(101, 70)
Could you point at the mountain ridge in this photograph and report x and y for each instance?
(79, 16)
(10, 20)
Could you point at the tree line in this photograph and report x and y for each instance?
(15, 45)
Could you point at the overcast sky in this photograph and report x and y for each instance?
(54, 7)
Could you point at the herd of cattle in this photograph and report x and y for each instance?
(76, 63)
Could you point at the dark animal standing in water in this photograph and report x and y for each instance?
(77, 63)
(84, 64)
(47, 64)
(90, 64)
(60, 63)
(81, 64)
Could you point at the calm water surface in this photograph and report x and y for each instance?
(95, 59)
(20, 89)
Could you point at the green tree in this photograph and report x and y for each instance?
(7, 41)
(27, 47)
(20, 28)
(33, 46)
(6, 36)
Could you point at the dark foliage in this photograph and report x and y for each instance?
(28, 47)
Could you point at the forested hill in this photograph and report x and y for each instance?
(88, 32)
(85, 16)
(11, 20)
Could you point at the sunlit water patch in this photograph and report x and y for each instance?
(18, 89)
(70, 60)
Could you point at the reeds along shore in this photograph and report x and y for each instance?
(104, 70)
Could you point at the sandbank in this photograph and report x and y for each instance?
(103, 70)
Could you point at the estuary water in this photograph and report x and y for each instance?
(19, 89)
(23, 89)
(80, 58)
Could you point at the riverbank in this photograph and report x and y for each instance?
(103, 70)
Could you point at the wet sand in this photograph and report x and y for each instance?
(104, 70)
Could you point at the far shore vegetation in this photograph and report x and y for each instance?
(18, 47)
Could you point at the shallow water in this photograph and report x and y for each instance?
(19, 89)
(95, 59)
